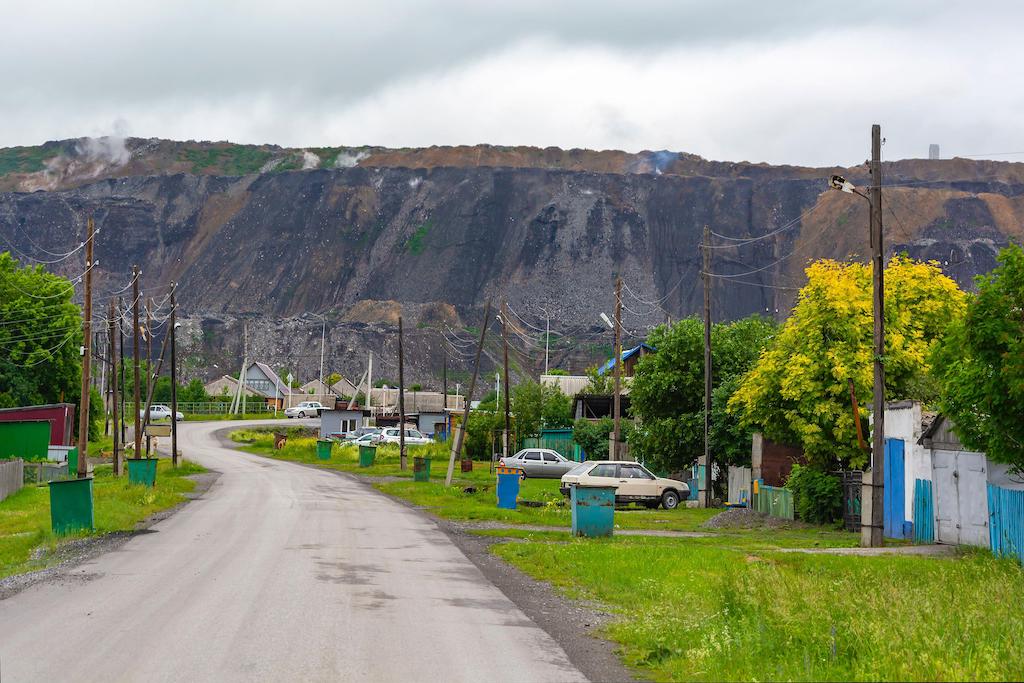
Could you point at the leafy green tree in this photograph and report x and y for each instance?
(601, 385)
(667, 391)
(536, 406)
(592, 436)
(798, 391)
(483, 425)
(558, 371)
(980, 364)
(40, 336)
(193, 392)
(333, 379)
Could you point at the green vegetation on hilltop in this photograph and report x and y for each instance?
(230, 160)
(25, 159)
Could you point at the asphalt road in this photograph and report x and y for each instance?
(279, 572)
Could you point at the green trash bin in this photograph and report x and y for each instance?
(142, 471)
(421, 469)
(71, 506)
(367, 455)
(73, 462)
(593, 510)
(323, 449)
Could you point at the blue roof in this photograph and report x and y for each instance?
(626, 355)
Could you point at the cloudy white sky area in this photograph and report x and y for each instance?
(783, 82)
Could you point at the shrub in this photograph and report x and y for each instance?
(818, 496)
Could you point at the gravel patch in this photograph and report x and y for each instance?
(744, 518)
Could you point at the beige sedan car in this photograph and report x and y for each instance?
(633, 483)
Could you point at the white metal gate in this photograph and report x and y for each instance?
(961, 497)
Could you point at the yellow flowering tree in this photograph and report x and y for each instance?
(798, 392)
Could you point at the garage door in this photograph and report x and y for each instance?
(961, 500)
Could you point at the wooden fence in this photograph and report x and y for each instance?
(1006, 521)
(12, 477)
(773, 501)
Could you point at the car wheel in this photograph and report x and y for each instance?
(670, 500)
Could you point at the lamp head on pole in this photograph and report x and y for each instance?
(607, 321)
(838, 182)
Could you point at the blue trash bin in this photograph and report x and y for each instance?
(508, 487)
(593, 510)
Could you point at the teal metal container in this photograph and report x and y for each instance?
(367, 455)
(421, 469)
(142, 471)
(73, 462)
(593, 510)
(323, 449)
(71, 506)
(508, 487)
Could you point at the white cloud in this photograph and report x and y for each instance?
(792, 86)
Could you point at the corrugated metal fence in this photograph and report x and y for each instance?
(1006, 521)
(12, 477)
(924, 512)
(773, 501)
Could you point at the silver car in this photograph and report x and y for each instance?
(540, 463)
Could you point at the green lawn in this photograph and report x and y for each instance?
(119, 506)
(694, 609)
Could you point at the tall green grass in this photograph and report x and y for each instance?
(694, 611)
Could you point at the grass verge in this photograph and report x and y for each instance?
(694, 610)
(26, 541)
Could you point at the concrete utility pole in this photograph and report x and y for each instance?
(444, 390)
(508, 387)
(245, 364)
(872, 519)
(369, 385)
(617, 400)
(547, 338)
(83, 405)
(174, 378)
(461, 429)
(323, 339)
(708, 493)
(401, 399)
(111, 357)
(149, 361)
(115, 379)
(135, 361)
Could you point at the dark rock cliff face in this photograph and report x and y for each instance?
(273, 247)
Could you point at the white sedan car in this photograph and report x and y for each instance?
(305, 409)
(413, 437)
(158, 411)
(633, 483)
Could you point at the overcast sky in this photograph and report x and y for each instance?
(724, 79)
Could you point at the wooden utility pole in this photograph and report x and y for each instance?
(135, 361)
(115, 379)
(245, 367)
(460, 431)
(149, 361)
(120, 369)
(83, 405)
(108, 392)
(508, 387)
(401, 399)
(174, 378)
(872, 520)
(617, 400)
(708, 493)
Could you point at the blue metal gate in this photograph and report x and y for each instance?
(924, 512)
(895, 488)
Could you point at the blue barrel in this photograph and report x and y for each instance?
(508, 487)
(593, 510)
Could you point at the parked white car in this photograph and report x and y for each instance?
(305, 409)
(633, 483)
(540, 463)
(158, 411)
(413, 437)
(366, 440)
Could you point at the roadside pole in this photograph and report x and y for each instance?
(108, 392)
(174, 379)
(135, 360)
(871, 533)
(460, 431)
(401, 399)
(708, 493)
(115, 379)
(123, 380)
(83, 405)
(617, 401)
(149, 362)
(444, 392)
(508, 387)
